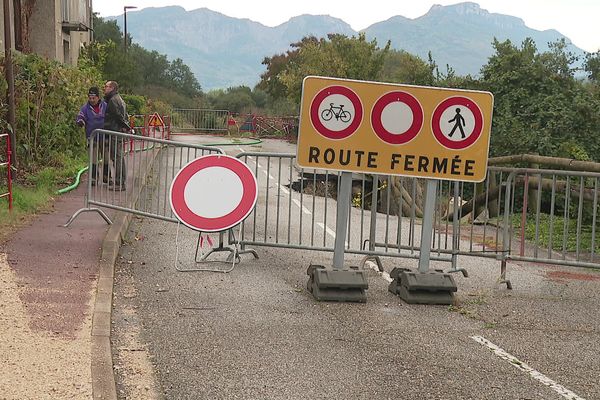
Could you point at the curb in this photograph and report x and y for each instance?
(103, 378)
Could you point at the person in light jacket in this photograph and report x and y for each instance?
(91, 117)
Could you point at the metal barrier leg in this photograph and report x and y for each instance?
(81, 210)
(506, 234)
(455, 235)
(503, 279)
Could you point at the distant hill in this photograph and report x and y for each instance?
(459, 35)
(224, 51)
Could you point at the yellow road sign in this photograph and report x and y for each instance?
(383, 128)
(156, 120)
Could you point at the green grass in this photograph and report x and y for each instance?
(34, 192)
(558, 232)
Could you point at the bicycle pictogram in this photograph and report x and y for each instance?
(340, 115)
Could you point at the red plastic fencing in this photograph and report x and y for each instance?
(141, 124)
(263, 125)
(7, 164)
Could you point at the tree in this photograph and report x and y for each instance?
(180, 75)
(539, 105)
(592, 66)
(237, 99)
(402, 67)
(139, 70)
(337, 56)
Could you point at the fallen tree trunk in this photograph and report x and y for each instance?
(533, 182)
(556, 162)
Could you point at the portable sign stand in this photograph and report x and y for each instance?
(388, 129)
(213, 193)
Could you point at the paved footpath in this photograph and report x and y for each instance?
(48, 279)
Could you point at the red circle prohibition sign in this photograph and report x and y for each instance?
(413, 129)
(437, 115)
(206, 224)
(315, 117)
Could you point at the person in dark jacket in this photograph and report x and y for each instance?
(115, 119)
(91, 116)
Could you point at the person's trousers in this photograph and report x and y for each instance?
(114, 149)
(98, 153)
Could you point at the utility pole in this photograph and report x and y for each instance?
(10, 79)
(125, 8)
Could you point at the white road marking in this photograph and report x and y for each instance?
(284, 189)
(242, 150)
(267, 174)
(330, 232)
(304, 209)
(563, 391)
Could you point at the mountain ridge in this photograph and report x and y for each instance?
(225, 51)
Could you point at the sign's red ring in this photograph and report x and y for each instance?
(437, 115)
(315, 118)
(411, 132)
(237, 215)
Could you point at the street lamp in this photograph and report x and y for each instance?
(125, 24)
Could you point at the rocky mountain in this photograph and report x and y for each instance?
(224, 51)
(459, 35)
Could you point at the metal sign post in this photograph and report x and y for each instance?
(423, 286)
(427, 227)
(339, 283)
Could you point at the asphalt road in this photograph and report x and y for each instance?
(257, 333)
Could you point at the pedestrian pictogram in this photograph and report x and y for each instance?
(457, 122)
(397, 117)
(213, 193)
(156, 120)
(336, 112)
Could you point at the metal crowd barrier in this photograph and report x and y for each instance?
(553, 217)
(199, 120)
(143, 166)
(526, 215)
(7, 164)
(289, 217)
(529, 215)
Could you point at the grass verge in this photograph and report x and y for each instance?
(35, 193)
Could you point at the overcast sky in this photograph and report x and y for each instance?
(576, 19)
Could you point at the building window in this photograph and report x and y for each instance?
(84, 12)
(66, 52)
(66, 10)
(18, 22)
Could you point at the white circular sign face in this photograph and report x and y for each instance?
(397, 117)
(225, 195)
(213, 193)
(457, 123)
(336, 112)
